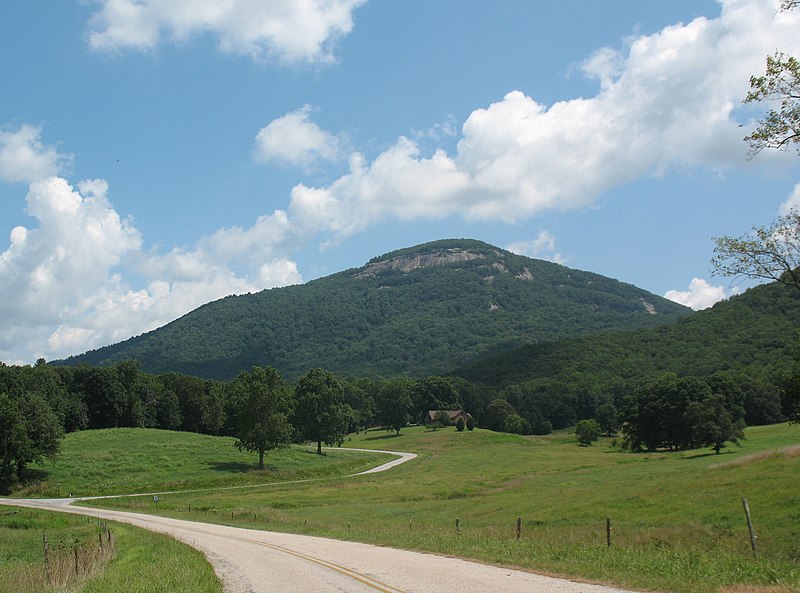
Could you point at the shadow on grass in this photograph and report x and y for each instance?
(233, 467)
(383, 437)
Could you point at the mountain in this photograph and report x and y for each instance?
(418, 311)
(751, 335)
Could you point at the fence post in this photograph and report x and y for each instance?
(519, 528)
(458, 526)
(608, 532)
(46, 556)
(753, 538)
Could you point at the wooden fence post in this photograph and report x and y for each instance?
(608, 532)
(458, 526)
(753, 538)
(46, 556)
(519, 528)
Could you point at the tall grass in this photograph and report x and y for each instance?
(84, 556)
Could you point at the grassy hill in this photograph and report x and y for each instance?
(418, 311)
(752, 334)
(663, 539)
(127, 460)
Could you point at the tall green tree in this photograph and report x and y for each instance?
(263, 418)
(394, 403)
(320, 414)
(713, 423)
(13, 439)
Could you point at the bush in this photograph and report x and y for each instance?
(460, 425)
(470, 423)
(587, 432)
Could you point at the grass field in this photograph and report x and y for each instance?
(125, 460)
(677, 518)
(138, 562)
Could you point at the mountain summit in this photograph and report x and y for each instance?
(417, 311)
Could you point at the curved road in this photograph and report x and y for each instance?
(251, 561)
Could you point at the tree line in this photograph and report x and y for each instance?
(40, 403)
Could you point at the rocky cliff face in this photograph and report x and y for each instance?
(409, 263)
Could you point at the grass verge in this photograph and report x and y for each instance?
(139, 562)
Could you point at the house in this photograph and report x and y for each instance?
(453, 415)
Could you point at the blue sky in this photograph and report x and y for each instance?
(159, 154)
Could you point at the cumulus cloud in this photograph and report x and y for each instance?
(701, 295)
(792, 202)
(24, 158)
(665, 101)
(542, 247)
(64, 284)
(287, 30)
(296, 140)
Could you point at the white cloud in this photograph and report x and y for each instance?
(700, 295)
(296, 140)
(24, 158)
(542, 247)
(667, 101)
(792, 202)
(65, 284)
(288, 30)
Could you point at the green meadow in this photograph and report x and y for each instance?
(136, 561)
(127, 460)
(677, 519)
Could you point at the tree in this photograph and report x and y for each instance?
(394, 403)
(263, 418)
(460, 424)
(320, 413)
(713, 424)
(470, 423)
(587, 432)
(780, 84)
(496, 413)
(608, 418)
(13, 439)
(769, 253)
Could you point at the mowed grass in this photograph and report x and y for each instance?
(142, 562)
(129, 460)
(677, 519)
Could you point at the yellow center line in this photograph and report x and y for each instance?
(349, 572)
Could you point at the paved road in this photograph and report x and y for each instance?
(250, 561)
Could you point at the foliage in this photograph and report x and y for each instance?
(780, 84)
(263, 413)
(608, 418)
(470, 423)
(587, 432)
(389, 317)
(769, 253)
(393, 400)
(320, 413)
(460, 424)
(683, 413)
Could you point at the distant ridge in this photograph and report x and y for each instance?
(417, 311)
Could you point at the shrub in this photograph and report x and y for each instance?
(460, 425)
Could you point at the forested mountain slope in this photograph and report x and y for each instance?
(751, 335)
(418, 311)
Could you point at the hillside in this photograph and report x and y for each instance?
(419, 311)
(752, 333)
